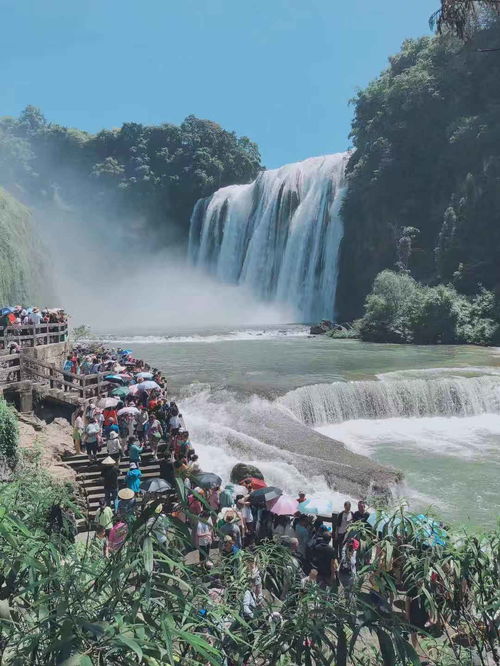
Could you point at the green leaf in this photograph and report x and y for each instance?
(130, 643)
(147, 554)
(386, 648)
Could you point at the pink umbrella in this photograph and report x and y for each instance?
(133, 389)
(285, 505)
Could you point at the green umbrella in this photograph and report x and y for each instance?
(120, 392)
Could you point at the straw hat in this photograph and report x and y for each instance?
(126, 493)
(108, 461)
(113, 435)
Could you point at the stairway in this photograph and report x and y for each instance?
(89, 479)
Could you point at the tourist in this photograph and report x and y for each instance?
(117, 534)
(324, 559)
(133, 478)
(91, 438)
(135, 451)
(228, 547)
(158, 525)
(204, 535)
(309, 581)
(101, 539)
(301, 497)
(344, 519)
(303, 534)
(153, 433)
(78, 430)
(347, 567)
(125, 506)
(113, 446)
(361, 514)
(67, 370)
(194, 466)
(110, 473)
(226, 497)
(104, 516)
(229, 528)
(167, 469)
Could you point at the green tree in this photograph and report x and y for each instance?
(9, 433)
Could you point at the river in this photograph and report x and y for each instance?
(262, 394)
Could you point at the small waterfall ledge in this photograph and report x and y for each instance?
(280, 235)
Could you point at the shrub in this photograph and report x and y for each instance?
(399, 309)
(9, 433)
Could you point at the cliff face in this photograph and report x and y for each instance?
(23, 276)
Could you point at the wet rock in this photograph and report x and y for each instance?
(243, 471)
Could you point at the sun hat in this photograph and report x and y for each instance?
(126, 494)
(113, 435)
(229, 517)
(133, 465)
(108, 461)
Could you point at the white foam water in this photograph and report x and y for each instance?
(231, 336)
(322, 404)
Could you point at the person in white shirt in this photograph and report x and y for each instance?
(113, 446)
(344, 519)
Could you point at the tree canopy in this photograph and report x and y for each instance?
(426, 136)
(157, 172)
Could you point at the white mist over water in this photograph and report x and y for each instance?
(279, 236)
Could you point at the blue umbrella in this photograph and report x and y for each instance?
(116, 379)
(125, 352)
(145, 375)
(6, 311)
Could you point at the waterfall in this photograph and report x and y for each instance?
(279, 235)
(321, 404)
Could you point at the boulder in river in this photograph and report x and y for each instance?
(322, 328)
(243, 471)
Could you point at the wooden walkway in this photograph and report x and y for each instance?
(90, 481)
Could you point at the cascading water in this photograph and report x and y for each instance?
(279, 235)
(321, 404)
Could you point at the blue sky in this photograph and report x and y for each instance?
(278, 71)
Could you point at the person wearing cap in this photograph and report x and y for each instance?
(133, 478)
(110, 473)
(113, 446)
(230, 528)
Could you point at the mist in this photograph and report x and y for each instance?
(108, 274)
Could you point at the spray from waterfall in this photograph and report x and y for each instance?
(279, 236)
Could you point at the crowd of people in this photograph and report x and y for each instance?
(136, 416)
(14, 318)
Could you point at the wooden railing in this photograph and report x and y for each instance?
(86, 386)
(30, 335)
(10, 368)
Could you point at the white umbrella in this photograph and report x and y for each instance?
(145, 375)
(128, 410)
(104, 403)
(147, 386)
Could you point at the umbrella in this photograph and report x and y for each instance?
(120, 392)
(319, 506)
(128, 410)
(133, 389)
(256, 483)
(125, 352)
(125, 376)
(104, 403)
(155, 486)
(207, 480)
(146, 386)
(116, 379)
(144, 375)
(428, 530)
(264, 496)
(6, 311)
(284, 506)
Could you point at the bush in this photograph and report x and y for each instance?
(9, 433)
(399, 309)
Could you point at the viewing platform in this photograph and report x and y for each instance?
(31, 361)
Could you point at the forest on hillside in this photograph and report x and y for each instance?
(155, 173)
(424, 177)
